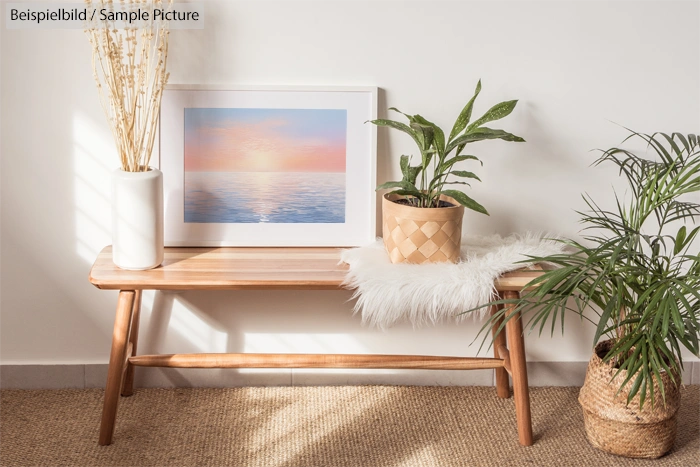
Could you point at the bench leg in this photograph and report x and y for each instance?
(117, 364)
(521, 392)
(499, 340)
(128, 388)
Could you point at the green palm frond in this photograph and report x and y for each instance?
(640, 277)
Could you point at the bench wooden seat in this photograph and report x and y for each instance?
(281, 269)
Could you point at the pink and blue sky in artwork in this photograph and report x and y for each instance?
(265, 165)
(265, 140)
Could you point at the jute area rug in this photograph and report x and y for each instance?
(313, 426)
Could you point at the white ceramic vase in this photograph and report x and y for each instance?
(137, 219)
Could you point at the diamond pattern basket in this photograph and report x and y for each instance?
(421, 235)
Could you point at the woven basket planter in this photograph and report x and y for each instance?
(615, 427)
(421, 235)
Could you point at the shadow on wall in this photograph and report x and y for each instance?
(91, 187)
(39, 316)
(189, 322)
(385, 163)
(241, 321)
(284, 322)
(92, 207)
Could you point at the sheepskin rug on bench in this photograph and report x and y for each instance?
(429, 293)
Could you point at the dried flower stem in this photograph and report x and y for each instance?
(131, 86)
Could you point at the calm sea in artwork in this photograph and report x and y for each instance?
(251, 165)
(265, 197)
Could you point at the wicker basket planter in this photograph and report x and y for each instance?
(421, 235)
(615, 427)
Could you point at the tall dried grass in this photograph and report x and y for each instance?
(129, 67)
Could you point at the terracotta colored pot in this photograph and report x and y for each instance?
(421, 235)
(618, 428)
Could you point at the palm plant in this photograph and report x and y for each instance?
(436, 168)
(639, 271)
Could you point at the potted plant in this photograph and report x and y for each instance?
(422, 219)
(129, 67)
(639, 274)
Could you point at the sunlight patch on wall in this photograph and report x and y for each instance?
(301, 343)
(198, 332)
(90, 238)
(92, 146)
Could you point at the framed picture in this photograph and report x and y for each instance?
(268, 166)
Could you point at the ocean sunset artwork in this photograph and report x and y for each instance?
(251, 165)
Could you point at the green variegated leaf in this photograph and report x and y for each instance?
(403, 163)
(415, 193)
(465, 174)
(452, 161)
(460, 148)
(410, 173)
(496, 112)
(404, 185)
(425, 131)
(426, 157)
(466, 201)
(482, 134)
(438, 134)
(425, 134)
(398, 126)
(466, 114)
(409, 117)
(500, 134)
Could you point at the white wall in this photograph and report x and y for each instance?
(575, 66)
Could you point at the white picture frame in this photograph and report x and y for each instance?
(195, 217)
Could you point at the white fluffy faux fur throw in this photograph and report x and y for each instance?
(428, 293)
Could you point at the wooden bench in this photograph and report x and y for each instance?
(281, 269)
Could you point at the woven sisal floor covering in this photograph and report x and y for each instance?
(313, 426)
